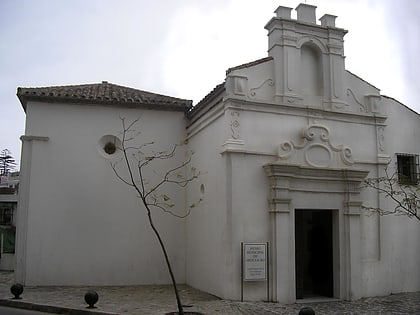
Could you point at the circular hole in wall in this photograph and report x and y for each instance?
(109, 146)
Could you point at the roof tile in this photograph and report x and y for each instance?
(102, 93)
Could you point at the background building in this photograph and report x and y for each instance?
(9, 186)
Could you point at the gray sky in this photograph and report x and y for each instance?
(182, 48)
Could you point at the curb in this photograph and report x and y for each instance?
(49, 308)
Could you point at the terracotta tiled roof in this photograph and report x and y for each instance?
(102, 93)
(249, 64)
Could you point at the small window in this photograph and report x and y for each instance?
(408, 169)
(6, 214)
(8, 236)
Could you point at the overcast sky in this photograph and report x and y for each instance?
(182, 48)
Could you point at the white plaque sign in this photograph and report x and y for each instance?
(255, 261)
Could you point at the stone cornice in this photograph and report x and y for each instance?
(304, 110)
(282, 23)
(299, 172)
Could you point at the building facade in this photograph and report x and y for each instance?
(9, 186)
(284, 145)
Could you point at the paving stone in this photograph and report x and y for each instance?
(158, 299)
(147, 300)
(397, 304)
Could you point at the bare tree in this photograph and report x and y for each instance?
(404, 195)
(7, 162)
(139, 161)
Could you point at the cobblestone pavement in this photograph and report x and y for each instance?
(148, 300)
(397, 304)
(132, 300)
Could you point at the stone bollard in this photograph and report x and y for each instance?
(306, 311)
(91, 297)
(17, 290)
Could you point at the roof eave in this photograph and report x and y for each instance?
(106, 94)
(181, 106)
(152, 105)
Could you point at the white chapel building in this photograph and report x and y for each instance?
(283, 145)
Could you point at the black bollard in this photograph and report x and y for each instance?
(306, 311)
(91, 297)
(17, 290)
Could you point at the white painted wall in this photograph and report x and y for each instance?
(209, 225)
(400, 235)
(84, 225)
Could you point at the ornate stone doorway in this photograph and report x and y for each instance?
(314, 174)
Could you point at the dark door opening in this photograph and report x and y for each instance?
(314, 253)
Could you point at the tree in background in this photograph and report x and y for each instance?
(403, 193)
(7, 162)
(141, 170)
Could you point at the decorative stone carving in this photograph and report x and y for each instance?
(354, 102)
(315, 150)
(262, 89)
(370, 103)
(235, 125)
(381, 138)
(233, 143)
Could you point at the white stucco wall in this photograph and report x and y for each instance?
(84, 225)
(208, 227)
(399, 235)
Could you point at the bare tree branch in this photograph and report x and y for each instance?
(137, 160)
(405, 197)
(113, 166)
(164, 208)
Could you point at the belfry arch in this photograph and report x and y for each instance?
(311, 74)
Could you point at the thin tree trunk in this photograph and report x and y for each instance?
(162, 246)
